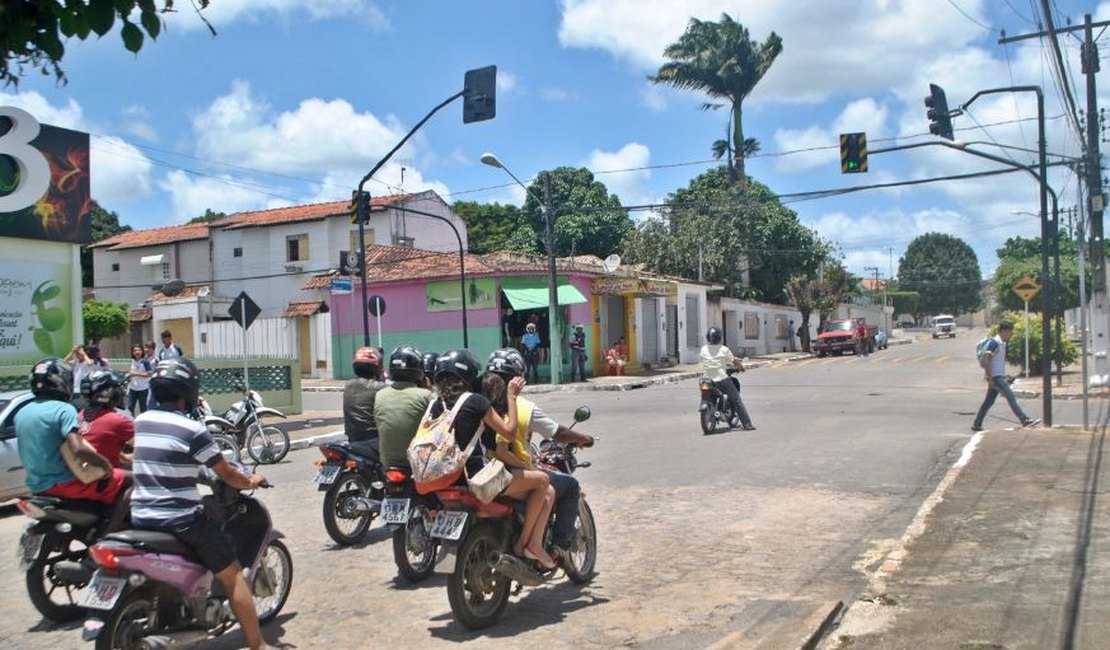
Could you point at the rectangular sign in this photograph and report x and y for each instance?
(444, 296)
(36, 314)
(341, 286)
(614, 286)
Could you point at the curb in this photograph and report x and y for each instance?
(316, 441)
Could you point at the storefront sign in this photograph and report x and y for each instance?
(36, 318)
(614, 286)
(444, 296)
(658, 288)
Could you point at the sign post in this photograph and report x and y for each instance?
(376, 306)
(1026, 288)
(244, 311)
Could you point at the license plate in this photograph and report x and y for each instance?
(448, 524)
(29, 545)
(395, 511)
(102, 592)
(326, 475)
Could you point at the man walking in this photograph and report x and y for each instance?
(993, 361)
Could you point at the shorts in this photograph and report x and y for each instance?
(102, 491)
(212, 546)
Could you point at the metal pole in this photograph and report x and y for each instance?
(1027, 339)
(1057, 289)
(553, 288)
(1047, 298)
(1082, 243)
(362, 251)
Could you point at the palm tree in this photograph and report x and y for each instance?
(721, 60)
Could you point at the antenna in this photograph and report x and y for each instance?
(611, 263)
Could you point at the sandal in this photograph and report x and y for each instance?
(547, 566)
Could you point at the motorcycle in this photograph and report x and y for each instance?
(216, 426)
(409, 514)
(354, 486)
(157, 594)
(243, 422)
(714, 407)
(54, 551)
(481, 536)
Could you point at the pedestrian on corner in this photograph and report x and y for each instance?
(790, 335)
(994, 373)
(169, 349)
(531, 344)
(578, 352)
(138, 381)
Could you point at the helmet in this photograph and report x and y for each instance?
(506, 362)
(430, 364)
(713, 335)
(406, 364)
(176, 378)
(367, 362)
(102, 388)
(531, 327)
(52, 378)
(460, 363)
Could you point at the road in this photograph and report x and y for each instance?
(747, 539)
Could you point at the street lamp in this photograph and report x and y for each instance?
(554, 341)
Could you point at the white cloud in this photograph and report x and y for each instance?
(653, 97)
(68, 116)
(120, 172)
(253, 11)
(554, 94)
(818, 146)
(627, 185)
(191, 196)
(506, 82)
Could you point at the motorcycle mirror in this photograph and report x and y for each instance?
(581, 414)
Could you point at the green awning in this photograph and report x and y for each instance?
(531, 292)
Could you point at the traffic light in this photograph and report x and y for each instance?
(853, 153)
(359, 207)
(480, 94)
(940, 118)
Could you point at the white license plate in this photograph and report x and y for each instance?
(395, 511)
(448, 524)
(102, 592)
(29, 546)
(326, 475)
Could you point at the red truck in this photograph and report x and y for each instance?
(840, 336)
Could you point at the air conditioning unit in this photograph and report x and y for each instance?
(293, 268)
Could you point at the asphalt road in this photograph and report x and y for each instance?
(743, 539)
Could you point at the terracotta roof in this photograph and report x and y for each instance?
(305, 308)
(154, 236)
(190, 291)
(299, 213)
(141, 314)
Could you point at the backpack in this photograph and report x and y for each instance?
(983, 347)
(433, 454)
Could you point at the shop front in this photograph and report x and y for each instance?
(525, 299)
(631, 310)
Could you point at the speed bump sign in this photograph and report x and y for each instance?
(1026, 287)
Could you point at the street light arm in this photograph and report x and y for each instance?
(405, 139)
(462, 265)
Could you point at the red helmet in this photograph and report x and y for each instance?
(367, 362)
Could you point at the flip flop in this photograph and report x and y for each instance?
(548, 566)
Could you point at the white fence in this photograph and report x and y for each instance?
(270, 337)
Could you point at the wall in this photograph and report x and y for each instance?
(755, 328)
(134, 283)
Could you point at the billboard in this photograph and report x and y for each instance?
(36, 304)
(445, 295)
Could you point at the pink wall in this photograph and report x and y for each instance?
(406, 309)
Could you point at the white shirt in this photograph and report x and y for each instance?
(168, 352)
(714, 359)
(998, 358)
(139, 383)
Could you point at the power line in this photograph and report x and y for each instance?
(969, 16)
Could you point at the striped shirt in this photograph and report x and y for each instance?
(169, 450)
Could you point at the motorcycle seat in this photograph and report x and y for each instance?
(79, 512)
(152, 540)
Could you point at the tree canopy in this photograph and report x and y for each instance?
(103, 224)
(817, 295)
(209, 216)
(721, 60)
(944, 271)
(490, 226)
(104, 319)
(1020, 257)
(588, 219)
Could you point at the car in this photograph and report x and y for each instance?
(904, 324)
(881, 340)
(11, 467)
(944, 325)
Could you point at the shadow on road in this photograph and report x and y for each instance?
(540, 606)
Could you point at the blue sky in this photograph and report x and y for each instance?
(293, 101)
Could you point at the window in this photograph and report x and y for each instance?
(166, 271)
(115, 266)
(296, 248)
(367, 234)
(751, 325)
(693, 322)
(237, 251)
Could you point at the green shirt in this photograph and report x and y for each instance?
(398, 409)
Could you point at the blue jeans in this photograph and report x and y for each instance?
(567, 491)
(578, 361)
(999, 385)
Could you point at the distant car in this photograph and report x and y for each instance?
(11, 468)
(881, 339)
(903, 324)
(944, 325)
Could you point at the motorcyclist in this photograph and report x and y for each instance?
(399, 406)
(715, 357)
(169, 449)
(509, 363)
(107, 428)
(430, 370)
(358, 402)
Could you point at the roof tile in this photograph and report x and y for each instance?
(299, 213)
(154, 236)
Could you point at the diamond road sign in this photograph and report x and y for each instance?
(1026, 288)
(244, 310)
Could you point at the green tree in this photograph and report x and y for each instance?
(1020, 257)
(104, 224)
(32, 32)
(721, 60)
(208, 217)
(1015, 351)
(817, 295)
(104, 319)
(588, 219)
(944, 271)
(490, 226)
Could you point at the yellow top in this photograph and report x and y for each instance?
(519, 445)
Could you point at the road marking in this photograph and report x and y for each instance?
(941, 360)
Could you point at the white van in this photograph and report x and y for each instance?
(944, 325)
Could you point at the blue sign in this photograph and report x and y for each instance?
(341, 286)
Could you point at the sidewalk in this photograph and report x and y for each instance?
(1009, 552)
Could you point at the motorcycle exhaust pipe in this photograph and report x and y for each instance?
(514, 568)
(363, 504)
(74, 573)
(173, 640)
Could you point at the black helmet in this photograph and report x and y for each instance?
(713, 335)
(406, 363)
(460, 363)
(175, 379)
(430, 364)
(506, 362)
(52, 378)
(102, 387)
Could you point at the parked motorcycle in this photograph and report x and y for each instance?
(243, 422)
(354, 486)
(409, 514)
(481, 534)
(54, 551)
(714, 407)
(216, 426)
(157, 594)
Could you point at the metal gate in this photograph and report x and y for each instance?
(671, 328)
(650, 318)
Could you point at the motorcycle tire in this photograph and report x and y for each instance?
(708, 420)
(414, 551)
(272, 581)
(128, 622)
(267, 445)
(43, 585)
(344, 524)
(477, 594)
(582, 557)
(229, 447)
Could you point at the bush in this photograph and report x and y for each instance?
(1015, 351)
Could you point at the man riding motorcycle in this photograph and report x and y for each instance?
(509, 363)
(108, 429)
(358, 401)
(715, 358)
(399, 406)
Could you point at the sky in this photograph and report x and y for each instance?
(292, 102)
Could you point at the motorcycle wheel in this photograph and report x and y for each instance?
(582, 558)
(228, 447)
(478, 595)
(267, 445)
(345, 524)
(272, 581)
(414, 551)
(53, 598)
(708, 420)
(129, 621)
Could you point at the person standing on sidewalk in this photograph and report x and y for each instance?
(578, 353)
(994, 372)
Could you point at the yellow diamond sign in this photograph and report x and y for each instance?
(1026, 287)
